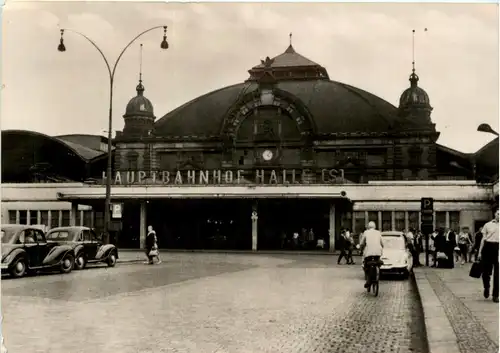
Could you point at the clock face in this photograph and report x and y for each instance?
(267, 155)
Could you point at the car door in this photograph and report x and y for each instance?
(43, 248)
(91, 246)
(28, 240)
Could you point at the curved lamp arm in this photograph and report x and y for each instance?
(112, 73)
(95, 46)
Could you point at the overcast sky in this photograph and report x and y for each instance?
(213, 45)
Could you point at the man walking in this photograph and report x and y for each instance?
(488, 255)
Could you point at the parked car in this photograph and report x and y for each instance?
(396, 254)
(86, 244)
(25, 249)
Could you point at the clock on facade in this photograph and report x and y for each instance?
(267, 155)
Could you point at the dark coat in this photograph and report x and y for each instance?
(150, 240)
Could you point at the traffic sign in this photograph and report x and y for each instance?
(427, 204)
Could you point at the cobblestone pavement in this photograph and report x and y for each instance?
(213, 303)
(473, 319)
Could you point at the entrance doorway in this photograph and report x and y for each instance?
(280, 219)
(202, 224)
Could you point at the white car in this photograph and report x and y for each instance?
(396, 254)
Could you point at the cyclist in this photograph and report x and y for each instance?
(372, 246)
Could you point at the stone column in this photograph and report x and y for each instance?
(143, 226)
(255, 219)
(331, 228)
(72, 214)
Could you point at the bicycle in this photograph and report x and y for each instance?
(373, 275)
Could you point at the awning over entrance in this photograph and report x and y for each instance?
(183, 192)
(449, 191)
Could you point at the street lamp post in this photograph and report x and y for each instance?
(62, 48)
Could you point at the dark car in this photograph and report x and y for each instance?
(25, 249)
(86, 244)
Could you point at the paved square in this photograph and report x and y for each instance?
(212, 303)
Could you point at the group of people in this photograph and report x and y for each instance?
(484, 247)
(447, 247)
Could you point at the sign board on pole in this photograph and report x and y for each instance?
(427, 219)
(116, 210)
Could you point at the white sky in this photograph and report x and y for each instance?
(213, 45)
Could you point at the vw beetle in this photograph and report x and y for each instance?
(25, 249)
(86, 244)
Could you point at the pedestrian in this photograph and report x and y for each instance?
(464, 242)
(152, 246)
(488, 255)
(343, 246)
(440, 246)
(350, 247)
(432, 248)
(477, 242)
(451, 247)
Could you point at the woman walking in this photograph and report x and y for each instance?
(464, 243)
(152, 246)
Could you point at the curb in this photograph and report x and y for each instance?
(440, 335)
(249, 252)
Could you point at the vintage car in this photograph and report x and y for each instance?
(86, 244)
(396, 254)
(25, 249)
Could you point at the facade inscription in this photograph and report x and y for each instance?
(220, 176)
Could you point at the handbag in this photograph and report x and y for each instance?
(154, 252)
(441, 256)
(476, 270)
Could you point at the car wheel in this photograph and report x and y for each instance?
(67, 263)
(80, 262)
(406, 274)
(112, 259)
(19, 268)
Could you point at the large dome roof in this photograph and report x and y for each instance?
(335, 108)
(332, 107)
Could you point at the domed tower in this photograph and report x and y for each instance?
(414, 102)
(139, 116)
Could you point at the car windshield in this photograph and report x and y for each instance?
(7, 235)
(60, 235)
(393, 242)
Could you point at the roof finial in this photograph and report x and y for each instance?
(413, 76)
(140, 87)
(413, 52)
(290, 38)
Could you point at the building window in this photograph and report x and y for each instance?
(346, 220)
(399, 220)
(33, 217)
(78, 217)
(54, 221)
(23, 217)
(359, 222)
(12, 217)
(99, 220)
(386, 220)
(413, 220)
(65, 218)
(87, 218)
(455, 220)
(373, 217)
(44, 218)
(440, 220)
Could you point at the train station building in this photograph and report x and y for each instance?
(246, 166)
